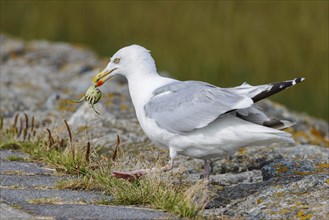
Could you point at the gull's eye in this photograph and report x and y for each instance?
(116, 60)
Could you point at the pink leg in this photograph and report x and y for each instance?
(132, 175)
(208, 167)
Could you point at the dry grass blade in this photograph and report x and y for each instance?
(24, 134)
(115, 152)
(26, 121)
(1, 123)
(87, 157)
(32, 124)
(20, 127)
(70, 136)
(15, 121)
(69, 130)
(61, 144)
(50, 138)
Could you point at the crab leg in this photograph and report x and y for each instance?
(78, 101)
(92, 105)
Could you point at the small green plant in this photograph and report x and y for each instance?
(103, 202)
(16, 158)
(92, 170)
(46, 200)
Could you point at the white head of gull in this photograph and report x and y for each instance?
(194, 118)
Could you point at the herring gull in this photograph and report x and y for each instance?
(194, 118)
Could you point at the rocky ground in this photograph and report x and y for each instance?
(28, 191)
(38, 78)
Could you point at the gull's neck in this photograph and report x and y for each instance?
(141, 86)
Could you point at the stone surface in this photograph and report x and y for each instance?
(19, 196)
(286, 167)
(278, 198)
(32, 181)
(39, 78)
(70, 211)
(8, 212)
(7, 167)
(30, 194)
(5, 154)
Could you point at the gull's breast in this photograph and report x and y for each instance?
(156, 134)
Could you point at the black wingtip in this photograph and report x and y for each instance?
(277, 87)
(297, 80)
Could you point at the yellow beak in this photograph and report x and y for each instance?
(101, 77)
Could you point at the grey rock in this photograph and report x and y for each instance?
(302, 152)
(289, 197)
(230, 179)
(34, 181)
(51, 101)
(22, 196)
(8, 212)
(106, 126)
(24, 167)
(5, 154)
(308, 130)
(47, 68)
(286, 167)
(232, 194)
(70, 211)
(248, 158)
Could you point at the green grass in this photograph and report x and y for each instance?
(92, 171)
(51, 201)
(16, 158)
(222, 42)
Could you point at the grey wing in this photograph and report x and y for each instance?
(182, 107)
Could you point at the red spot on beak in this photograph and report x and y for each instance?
(99, 83)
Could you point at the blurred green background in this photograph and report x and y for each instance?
(222, 42)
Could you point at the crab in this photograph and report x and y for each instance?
(92, 96)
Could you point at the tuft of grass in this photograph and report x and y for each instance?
(16, 158)
(53, 201)
(102, 202)
(46, 200)
(92, 171)
(155, 192)
(16, 186)
(10, 146)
